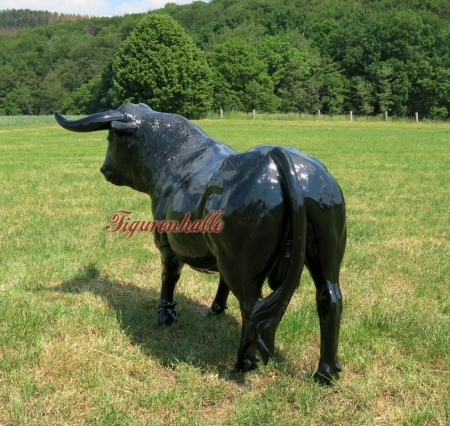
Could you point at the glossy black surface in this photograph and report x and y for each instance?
(281, 210)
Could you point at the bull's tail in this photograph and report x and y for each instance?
(269, 311)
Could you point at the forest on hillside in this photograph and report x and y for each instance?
(13, 20)
(366, 56)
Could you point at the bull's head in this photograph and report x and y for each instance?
(122, 163)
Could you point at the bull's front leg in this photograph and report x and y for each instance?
(172, 267)
(220, 301)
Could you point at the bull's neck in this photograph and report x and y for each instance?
(167, 150)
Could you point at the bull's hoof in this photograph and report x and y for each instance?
(326, 375)
(217, 310)
(167, 317)
(245, 365)
(166, 313)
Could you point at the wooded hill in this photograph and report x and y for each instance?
(368, 56)
(13, 20)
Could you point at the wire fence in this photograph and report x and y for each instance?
(349, 117)
(22, 120)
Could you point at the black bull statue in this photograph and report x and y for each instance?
(281, 210)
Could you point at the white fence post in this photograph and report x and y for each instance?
(386, 116)
(221, 113)
(254, 114)
(351, 115)
(417, 117)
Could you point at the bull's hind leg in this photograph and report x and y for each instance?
(329, 308)
(247, 290)
(325, 250)
(220, 301)
(172, 267)
(247, 357)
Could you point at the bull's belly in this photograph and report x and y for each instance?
(193, 251)
(206, 265)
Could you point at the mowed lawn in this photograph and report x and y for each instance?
(79, 343)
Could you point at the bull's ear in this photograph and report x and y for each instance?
(127, 128)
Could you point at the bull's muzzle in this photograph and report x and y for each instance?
(110, 176)
(107, 173)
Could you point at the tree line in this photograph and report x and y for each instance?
(297, 56)
(13, 20)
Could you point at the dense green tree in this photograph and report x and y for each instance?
(160, 65)
(391, 87)
(7, 81)
(299, 89)
(280, 55)
(363, 96)
(237, 62)
(303, 80)
(242, 76)
(49, 95)
(85, 99)
(333, 87)
(312, 85)
(224, 97)
(18, 102)
(259, 95)
(251, 32)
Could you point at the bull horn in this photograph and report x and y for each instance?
(91, 123)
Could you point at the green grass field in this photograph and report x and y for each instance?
(79, 344)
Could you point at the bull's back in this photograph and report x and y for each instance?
(245, 182)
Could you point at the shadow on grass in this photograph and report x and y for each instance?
(196, 339)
